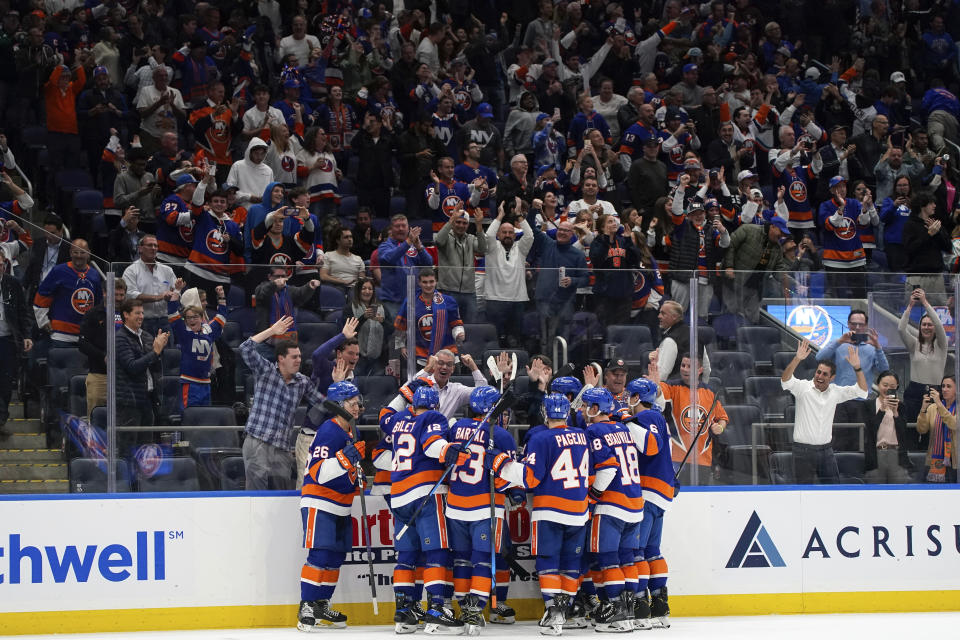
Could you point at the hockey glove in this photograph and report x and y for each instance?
(354, 452)
(454, 453)
(517, 497)
(493, 459)
(593, 495)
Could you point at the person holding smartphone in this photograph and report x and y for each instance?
(938, 417)
(885, 435)
(927, 346)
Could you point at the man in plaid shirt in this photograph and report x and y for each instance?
(279, 387)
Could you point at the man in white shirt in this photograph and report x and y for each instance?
(151, 283)
(298, 43)
(159, 106)
(258, 119)
(505, 281)
(817, 401)
(427, 51)
(589, 201)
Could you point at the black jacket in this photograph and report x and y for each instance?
(924, 252)
(93, 339)
(118, 246)
(647, 182)
(35, 266)
(16, 311)
(414, 168)
(685, 248)
(872, 423)
(136, 360)
(376, 159)
(680, 333)
(613, 264)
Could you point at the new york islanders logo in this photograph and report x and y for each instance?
(215, 242)
(798, 191)
(82, 300)
(280, 259)
(846, 233)
(640, 282)
(676, 155)
(425, 326)
(325, 164)
(685, 418)
(220, 131)
(812, 322)
(186, 233)
(148, 457)
(463, 99)
(288, 164)
(451, 203)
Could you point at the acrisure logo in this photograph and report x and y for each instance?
(755, 548)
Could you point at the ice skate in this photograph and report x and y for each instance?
(576, 615)
(471, 615)
(592, 605)
(405, 620)
(327, 617)
(439, 620)
(659, 609)
(611, 618)
(641, 612)
(306, 617)
(551, 624)
(502, 614)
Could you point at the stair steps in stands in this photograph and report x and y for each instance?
(26, 465)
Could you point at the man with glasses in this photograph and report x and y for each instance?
(864, 340)
(563, 268)
(151, 282)
(516, 182)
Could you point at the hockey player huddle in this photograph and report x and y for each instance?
(597, 470)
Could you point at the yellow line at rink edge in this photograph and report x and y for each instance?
(167, 619)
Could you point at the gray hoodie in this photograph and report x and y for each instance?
(249, 177)
(518, 132)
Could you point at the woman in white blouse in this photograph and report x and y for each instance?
(928, 352)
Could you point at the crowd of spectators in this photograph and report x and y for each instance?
(549, 156)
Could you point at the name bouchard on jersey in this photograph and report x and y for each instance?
(116, 562)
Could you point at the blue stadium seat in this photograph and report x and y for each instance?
(738, 466)
(170, 399)
(331, 297)
(479, 338)
(305, 315)
(631, 342)
(851, 465)
(170, 361)
(246, 318)
(219, 416)
(732, 367)
(236, 297)
(182, 477)
(781, 467)
(232, 334)
(377, 392)
(767, 393)
(760, 342)
(347, 187)
(311, 335)
(398, 204)
(78, 395)
(804, 370)
(742, 416)
(63, 363)
(919, 461)
(234, 475)
(89, 476)
(348, 206)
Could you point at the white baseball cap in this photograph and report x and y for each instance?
(897, 76)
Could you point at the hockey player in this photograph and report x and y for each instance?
(437, 318)
(329, 485)
(420, 453)
(468, 509)
(657, 479)
(649, 431)
(617, 492)
(196, 341)
(556, 469)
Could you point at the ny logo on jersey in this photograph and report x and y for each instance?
(82, 300)
(215, 242)
(451, 203)
(755, 548)
(200, 349)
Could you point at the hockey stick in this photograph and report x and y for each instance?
(493, 523)
(505, 402)
(700, 429)
(366, 532)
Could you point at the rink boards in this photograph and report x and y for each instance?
(191, 561)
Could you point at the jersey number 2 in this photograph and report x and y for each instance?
(403, 450)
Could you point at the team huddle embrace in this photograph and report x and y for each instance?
(598, 473)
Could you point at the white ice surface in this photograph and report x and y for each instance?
(879, 626)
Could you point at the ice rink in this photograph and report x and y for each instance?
(796, 627)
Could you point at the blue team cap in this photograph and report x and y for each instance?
(781, 224)
(185, 178)
(484, 110)
(835, 180)
(542, 169)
